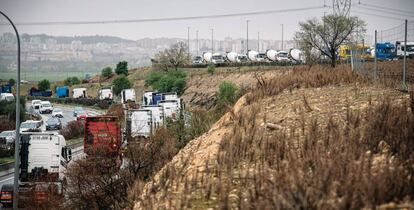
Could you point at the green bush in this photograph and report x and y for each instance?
(171, 81)
(106, 72)
(43, 85)
(211, 68)
(72, 81)
(227, 93)
(9, 109)
(122, 68)
(12, 82)
(120, 83)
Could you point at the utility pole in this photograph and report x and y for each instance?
(375, 55)
(212, 42)
(17, 141)
(258, 44)
(198, 46)
(188, 40)
(282, 38)
(247, 36)
(405, 56)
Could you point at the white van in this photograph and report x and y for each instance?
(79, 93)
(6, 97)
(36, 104)
(45, 107)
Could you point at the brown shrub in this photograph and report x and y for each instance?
(74, 129)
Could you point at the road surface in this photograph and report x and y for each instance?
(6, 177)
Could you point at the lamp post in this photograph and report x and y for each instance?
(198, 46)
(188, 40)
(17, 141)
(282, 39)
(212, 41)
(247, 36)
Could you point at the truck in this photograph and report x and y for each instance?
(7, 88)
(252, 55)
(79, 93)
(296, 55)
(36, 92)
(198, 60)
(43, 161)
(102, 132)
(217, 58)
(157, 114)
(271, 55)
(207, 57)
(384, 51)
(105, 93)
(62, 91)
(154, 97)
(171, 109)
(139, 122)
(400, 47)
(128, 95)
(282, 56)
(45, 107)
(232, 57)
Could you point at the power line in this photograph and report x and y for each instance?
(387, 8)
(386, 11)
(377, 15)
(168, 19)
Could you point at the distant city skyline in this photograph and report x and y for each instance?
(269, 25)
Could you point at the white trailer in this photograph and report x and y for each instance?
(232, 57)
(296, 55)
(79, 93)
(43, 161)
(171, 109)
(139, 122)
(105, 94)
(157, 113)
(128, 95)
(207, 57)
(252, 55)
(271, 55)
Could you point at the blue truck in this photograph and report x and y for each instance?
(62, 91)
(35, 92)
(385, 51)
(7, 88)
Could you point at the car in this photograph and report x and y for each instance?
(57, 112)
(36, 104)
(76, 110)
(31, 126)
(45, 107)
(7, 139)
(81, 115)
(6, 194)
(6, 97)
(53, 123)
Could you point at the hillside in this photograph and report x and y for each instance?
(319, 139)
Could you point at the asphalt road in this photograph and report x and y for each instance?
(7, 176)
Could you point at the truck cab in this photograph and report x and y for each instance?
(128, 95)
(102, 132)
(62, 92)
(384, 51)
(400, 48)
(106, 93)
(79, 93)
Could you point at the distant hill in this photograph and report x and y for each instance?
(84, 39)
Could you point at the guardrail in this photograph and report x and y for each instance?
(103, 104)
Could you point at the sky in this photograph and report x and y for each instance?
(269, 25)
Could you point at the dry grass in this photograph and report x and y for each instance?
(360, 157)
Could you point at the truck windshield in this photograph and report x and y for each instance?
(28, 125)
(410, 48)
(46, 105)
(283, 55)
(387, 50)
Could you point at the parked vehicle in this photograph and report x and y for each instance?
(57, 112)
(128, 95)
(261, 57)
(31, 126)
(271, 55)
(7, 88)
(43, 161)
(157, 114)
(81, 115)
(151, 97)
(45, 107)
(102, 132)
(7, 139)
(77, 110)
(252, 55)
(296, 56)
(217, 58)
(198, 60)
(6, 97)
(105, 93)
(400, 47)
(35, 92)
(36, 104)
(207, 57)
(62, 91)
(79, 93)
(384, 51)
(139, 122)
(171, 109)
(282, 56)
(53, 123)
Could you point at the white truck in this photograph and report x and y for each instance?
(157, 113)
(128, 95)
(217, 58)
(79, 93)
(261, 57)
(45, 107)
(271, 55)
(43, 161)
(139, 123)
(296, 55)
(282, 56)
(6, 97)
(105, 94)
(232, 57)
(400, 47)
(252, 55)
(207, 57)
(171, 109)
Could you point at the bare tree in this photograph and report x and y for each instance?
(327, 35)
(173, 57)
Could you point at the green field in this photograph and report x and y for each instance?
(51, 76)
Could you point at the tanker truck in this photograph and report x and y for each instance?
(232, 57)
(282, 56)
(207, 57)
(271, 55)
(217, 58)
(296, 55)
(252, 55)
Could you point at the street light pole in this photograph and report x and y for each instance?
(212, 42)
(247, 36)
(198, 46)
(258, 38)
(188, 40)
(282, 38)
(17, 141)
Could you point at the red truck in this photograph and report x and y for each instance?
(102, 132)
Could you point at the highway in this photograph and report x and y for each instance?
(77, 152)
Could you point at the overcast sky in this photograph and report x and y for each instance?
(268, 25)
